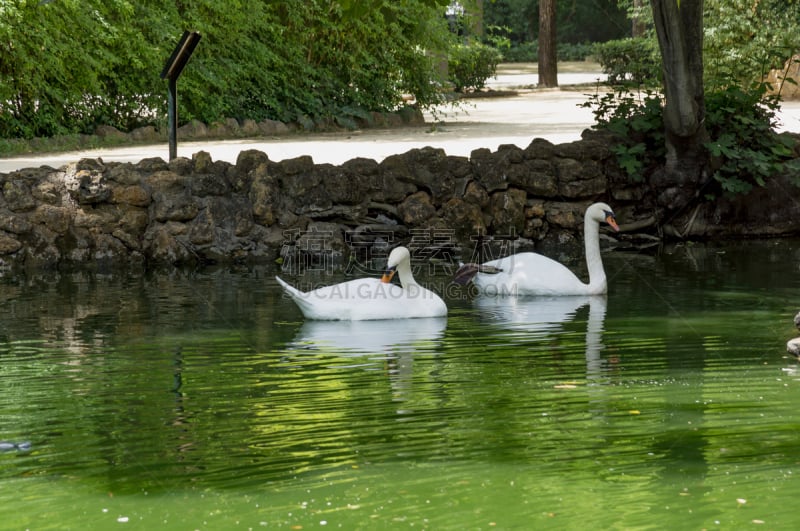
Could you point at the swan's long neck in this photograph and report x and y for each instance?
(404, 272)
(594, 263)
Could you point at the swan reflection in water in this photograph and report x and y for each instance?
(544, 316)
(390, 342)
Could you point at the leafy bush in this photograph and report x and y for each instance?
(75, 64)
(470, 65)
(574, 51)
(743, 40)
(630, 62)
(528, 52)
(638, 119)
(744, 149)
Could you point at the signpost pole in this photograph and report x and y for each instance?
(172, 118)
(172, 70)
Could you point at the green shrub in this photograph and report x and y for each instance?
(638, 119)
(630, 62)
(744, 149)
(75, 65)
(470, 65)
(574, 51)
(528, 52)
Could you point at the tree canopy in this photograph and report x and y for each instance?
(742, 39)
(69, 65)
(714, 118)
(577, 20)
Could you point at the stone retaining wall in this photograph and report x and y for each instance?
(197, 211)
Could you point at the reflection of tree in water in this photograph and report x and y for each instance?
(117, 350)
(85, 312)
(710, 297)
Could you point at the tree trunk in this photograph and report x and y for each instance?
(679, 26)
(638, 25)
(548, 57)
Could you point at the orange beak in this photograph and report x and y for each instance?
(612, 223)
(388, 275)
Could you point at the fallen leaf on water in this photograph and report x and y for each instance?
(565, 386)
(635, 412)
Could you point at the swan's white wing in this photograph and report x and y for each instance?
(529, 274)
(367, 298)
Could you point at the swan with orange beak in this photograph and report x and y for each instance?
(371, 298)
(536, 274)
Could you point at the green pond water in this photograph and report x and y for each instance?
(202, 400)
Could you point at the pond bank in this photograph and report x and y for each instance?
(194, 211)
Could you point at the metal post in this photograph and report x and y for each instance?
(172, 70)
(172, 119)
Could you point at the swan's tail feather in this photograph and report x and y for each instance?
(289, 289)
(467, 272)
(299, 297)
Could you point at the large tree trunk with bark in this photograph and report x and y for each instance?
(548, 56)
(679, 26)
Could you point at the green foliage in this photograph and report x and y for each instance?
(792, 169)
(470, 65)
(497, 38)
(577, 22)
(72, 65)
(744, 149)
(630, 62)
(636, 118)
(328, 65)
(743, 39)
(579, 51)
(69, 66)
(528, 52)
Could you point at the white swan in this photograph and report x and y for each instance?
(535, 274)
(371, 298)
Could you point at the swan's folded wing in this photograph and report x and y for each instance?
(467, 272)
(364, 299)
